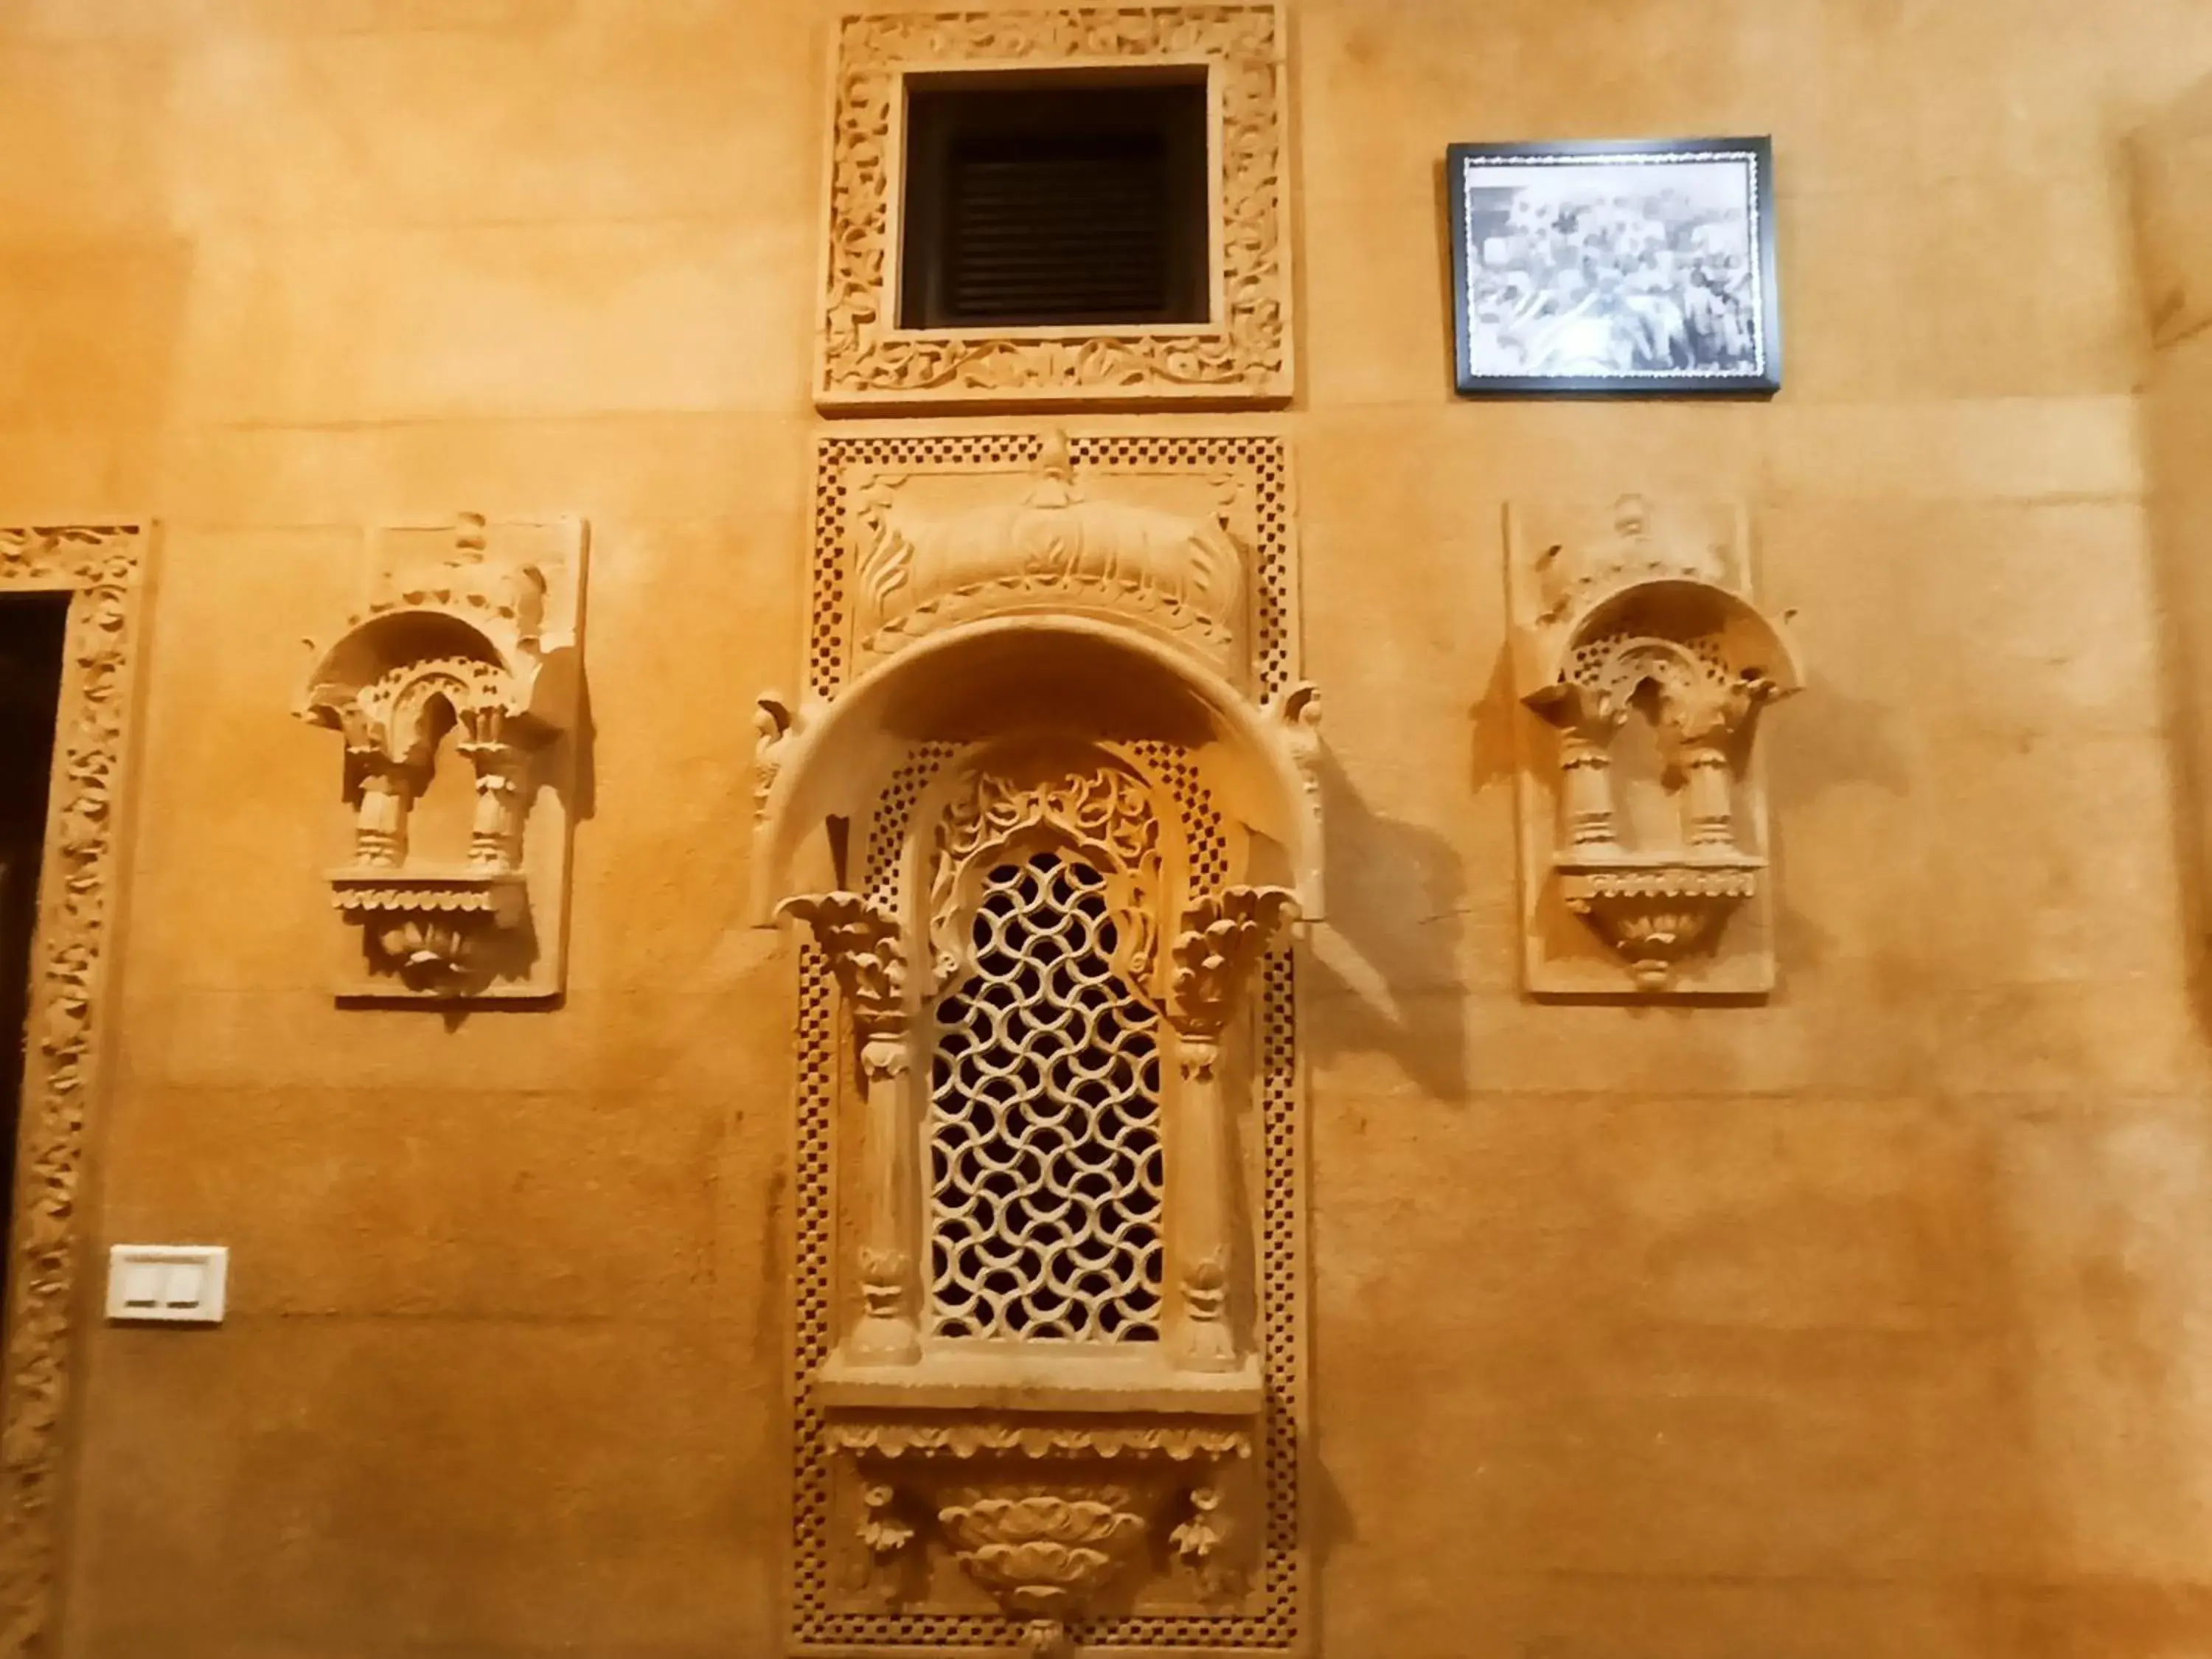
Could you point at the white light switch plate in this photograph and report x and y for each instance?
(173, 1284)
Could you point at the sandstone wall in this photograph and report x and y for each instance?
(1873, 1321)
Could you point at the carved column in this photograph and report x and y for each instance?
(1223, 939)
(887, 1331)
(1588, 721)
(387, 793)
(1708, 793)
(1586, 790)
(866, 952)
(495, 836)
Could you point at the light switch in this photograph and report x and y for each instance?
(176, 1284)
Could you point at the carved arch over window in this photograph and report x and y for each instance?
(1048, 852)
(822, 762)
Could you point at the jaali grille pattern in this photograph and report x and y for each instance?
(1044, 1138)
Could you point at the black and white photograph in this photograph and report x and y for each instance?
(1640, 268)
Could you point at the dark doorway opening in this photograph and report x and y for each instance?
(32, 626)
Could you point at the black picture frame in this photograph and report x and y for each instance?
(1706, 317)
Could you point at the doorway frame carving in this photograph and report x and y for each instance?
(105, 570)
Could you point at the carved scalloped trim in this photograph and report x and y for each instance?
(486, 894)
(863, 359)
(971, 1439)
(102, 568)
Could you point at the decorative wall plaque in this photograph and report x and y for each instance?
(1643, 666)
(1046, 814)
(865, 359)
(465, 655)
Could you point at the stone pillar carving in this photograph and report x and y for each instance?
(867, 953)
(496, 837)
(1588, 722)
(387, 794)
(1224, 938)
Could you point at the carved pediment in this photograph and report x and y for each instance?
(932, 552)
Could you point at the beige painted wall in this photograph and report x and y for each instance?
(1876, 1322)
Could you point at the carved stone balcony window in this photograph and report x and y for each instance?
(1638, 647)
(1238, 350)
(465, 655)
(1047, 844)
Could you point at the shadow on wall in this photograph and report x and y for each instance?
(1826, 742)
(1387, 961)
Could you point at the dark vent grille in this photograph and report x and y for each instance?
(1074, 230)
(1084, 206)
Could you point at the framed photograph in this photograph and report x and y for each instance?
(1604, 268)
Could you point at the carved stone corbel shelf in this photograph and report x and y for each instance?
(1638, 647)
(1047, 1515)
(472, 632)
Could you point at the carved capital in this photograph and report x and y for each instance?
(884, 1271)
(885, 1056)
(1224, 936)
(1200, 1057)
(866, 952)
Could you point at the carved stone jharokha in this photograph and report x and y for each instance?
(1637, 643)
(1240, 354)
(466, 652)
(1046, 847)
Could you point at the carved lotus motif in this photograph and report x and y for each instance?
(436, 934)
(1654, 915)
(1044, 1553)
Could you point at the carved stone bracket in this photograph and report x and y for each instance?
(866, 949)
(1224, 939)
(1644, 862)
(470, 632)
(1046, 1517)
(1242, 353)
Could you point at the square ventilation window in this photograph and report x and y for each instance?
(1049, 200)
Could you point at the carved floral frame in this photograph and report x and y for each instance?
(1241, 354)
(103, 569)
